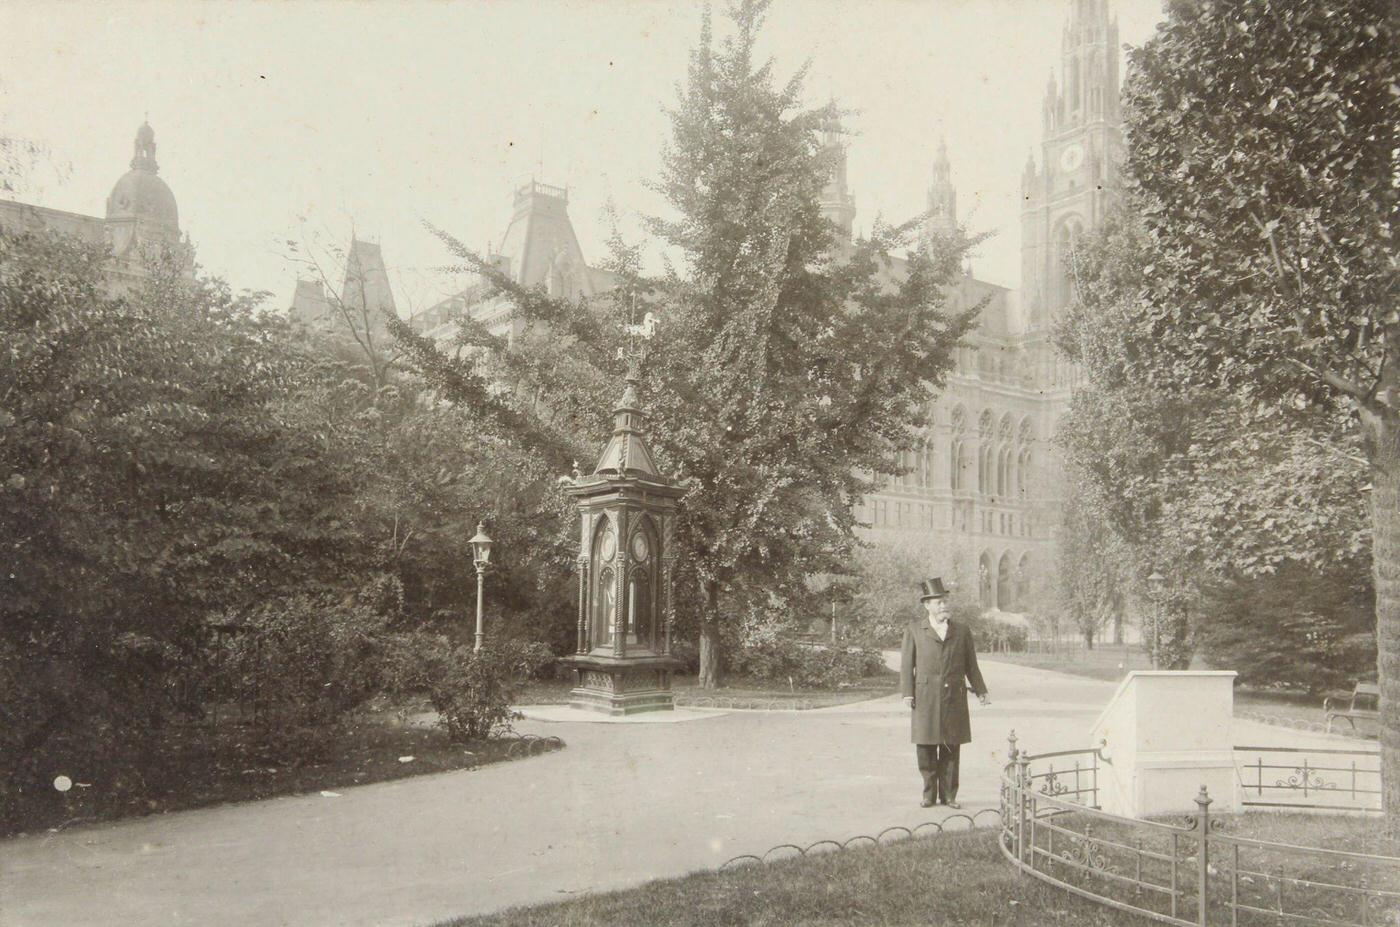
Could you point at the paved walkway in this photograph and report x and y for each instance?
(622, 804)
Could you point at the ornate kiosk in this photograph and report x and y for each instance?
(623, 665)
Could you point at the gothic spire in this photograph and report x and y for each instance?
(942, 196)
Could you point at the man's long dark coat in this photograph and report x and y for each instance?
(932, 671)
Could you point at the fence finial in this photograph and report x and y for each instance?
(1011, 745)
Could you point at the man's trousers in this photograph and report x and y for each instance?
(938, 763)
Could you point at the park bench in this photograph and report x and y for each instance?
(1364, 703)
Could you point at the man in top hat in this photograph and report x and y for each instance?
(936, 656)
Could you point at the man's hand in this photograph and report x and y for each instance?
(985, 700)
(908, 701)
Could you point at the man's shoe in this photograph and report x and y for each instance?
(926, 803)
(952, 804)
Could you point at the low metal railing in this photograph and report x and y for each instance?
(1186, 873)
(1310, 779)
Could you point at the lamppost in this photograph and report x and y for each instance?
(1155, 583)
(481, 556)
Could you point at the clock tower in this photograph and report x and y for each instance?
(1080, 153)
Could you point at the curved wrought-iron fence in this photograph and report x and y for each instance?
(1183, 871)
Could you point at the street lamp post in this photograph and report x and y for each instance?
(1155, 582)
(481, 556)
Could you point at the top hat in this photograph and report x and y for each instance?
(933, 589)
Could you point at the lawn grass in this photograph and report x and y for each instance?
(951, 879)
(737, 692)
(1106, 663)
(194, 767)
(948, 879)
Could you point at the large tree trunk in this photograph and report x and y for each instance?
(1385, 526)
(711, 667)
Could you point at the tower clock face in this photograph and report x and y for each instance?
(1072, 157)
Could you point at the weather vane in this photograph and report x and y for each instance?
(633, 349)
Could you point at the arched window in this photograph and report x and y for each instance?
(605, 608)
(1023, 583)
(1005, 592)
(985, 579)
(957, 459)
(641, 622)
(1004, 455)
(604, 616)
(985, 464)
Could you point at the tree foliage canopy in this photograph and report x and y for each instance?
(1249, 342)
(788, 368)
(1263, 147)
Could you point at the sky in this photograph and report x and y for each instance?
(303, 121)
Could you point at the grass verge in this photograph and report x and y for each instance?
(950, 879)
(192, 768)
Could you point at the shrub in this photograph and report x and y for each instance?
(471, 690)
(303, 663)
(689, 655)
(994, 634)
(1299, 629)
(807, 666)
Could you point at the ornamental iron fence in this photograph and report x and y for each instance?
(1314, 779)
(1182, 870)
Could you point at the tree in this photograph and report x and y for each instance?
(1195, 482)
(888, 575)
(1092, 564)
(150, 479)
(1263, 144)
(788, 373)
(355, 317)
(1120, 440)
(1298, 628)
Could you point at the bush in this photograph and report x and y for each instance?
(1298, 629)
(303, 663)
(994, 634)
(808, 666)
(689, 655)
(471, 690)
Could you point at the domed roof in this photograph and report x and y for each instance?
(140, 194)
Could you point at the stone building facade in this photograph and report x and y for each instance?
(983, 487)
(141, 224)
